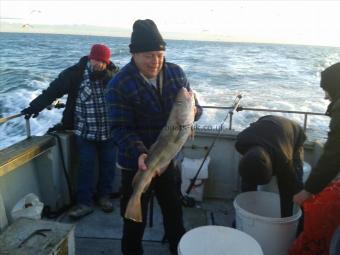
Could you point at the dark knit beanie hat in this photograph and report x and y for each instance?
(146, 37)
(256, 167)
(330, 81)
(100, 52)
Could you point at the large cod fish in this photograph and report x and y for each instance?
(169, 142)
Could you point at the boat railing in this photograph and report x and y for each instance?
(56, 104)
(230, 113)
(8, 118)
(241, 108)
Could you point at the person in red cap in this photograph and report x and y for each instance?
(85, 114)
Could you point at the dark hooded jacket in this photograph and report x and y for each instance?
(283, 140)
(328, 165)
(68, 82)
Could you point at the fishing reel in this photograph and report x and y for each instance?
(56, 104)
(188, 201)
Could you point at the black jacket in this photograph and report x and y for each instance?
(283, 140)
(328, 165)
(68, 82)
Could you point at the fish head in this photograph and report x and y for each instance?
(185, 104)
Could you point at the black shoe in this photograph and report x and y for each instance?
(105, 204)
(80, 211)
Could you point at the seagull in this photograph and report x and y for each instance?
(35, 11)
(27, 26)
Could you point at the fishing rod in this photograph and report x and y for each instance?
(27, 122)
(5, 119)
(231, 111)
(56, 104)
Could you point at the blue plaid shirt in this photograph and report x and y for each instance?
(91, 121)
(138, 111)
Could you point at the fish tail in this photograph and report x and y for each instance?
(134, 209)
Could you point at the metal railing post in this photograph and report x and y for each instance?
(28, 128)
(305, 122)
(230, 119)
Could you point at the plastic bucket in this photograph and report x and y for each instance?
(217, 240)
(189, 168)
(258, 214)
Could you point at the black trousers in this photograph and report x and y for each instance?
(166, 191)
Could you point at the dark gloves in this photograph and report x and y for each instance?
(29, 111)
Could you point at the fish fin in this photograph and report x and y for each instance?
(192, 134)
(161, 169)
(182, 132)
(146, 188)
(133, 210)
(158, 171)
(136, 179)
(152, 148)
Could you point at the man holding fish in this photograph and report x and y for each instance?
(152, 109)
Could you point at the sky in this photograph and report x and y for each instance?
(291, 21)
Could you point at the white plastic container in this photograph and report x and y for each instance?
(272, 185)
(217, 240)
(258, 214)
(189, 169)
(306, 171)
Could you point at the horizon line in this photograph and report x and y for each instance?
(120, 32)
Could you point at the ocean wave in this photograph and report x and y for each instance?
(269, 76)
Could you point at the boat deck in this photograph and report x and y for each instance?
(100, 233)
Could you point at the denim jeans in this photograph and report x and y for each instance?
(91, 152)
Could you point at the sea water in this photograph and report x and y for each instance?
(285, 77)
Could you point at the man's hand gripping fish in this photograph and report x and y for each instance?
(169, 142)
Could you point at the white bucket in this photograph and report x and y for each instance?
(258, 214)
(217, 240)
(272, 185)
(189, 170)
